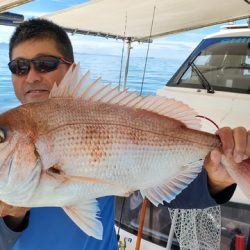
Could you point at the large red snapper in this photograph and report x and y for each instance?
(89, 141)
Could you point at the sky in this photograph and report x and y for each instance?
(169, 47)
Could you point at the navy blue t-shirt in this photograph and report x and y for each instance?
(52, 229)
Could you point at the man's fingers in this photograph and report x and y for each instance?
(212, 161)
(235, 143)
(240, 143)
(6, 209)
(227, 140)
(1, 209)
(215, 156)
(247, 153)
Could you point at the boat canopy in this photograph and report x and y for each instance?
(132, 19)
(7, 4)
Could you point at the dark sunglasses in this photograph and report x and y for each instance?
(42, 64)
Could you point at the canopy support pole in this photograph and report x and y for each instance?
(127, 63)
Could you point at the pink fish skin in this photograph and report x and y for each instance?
(68, 151)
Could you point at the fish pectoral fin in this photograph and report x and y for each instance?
(173, 186)
(86, 217)
(57, 173)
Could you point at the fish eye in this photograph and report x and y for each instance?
(2, 135)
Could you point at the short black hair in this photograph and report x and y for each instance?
(38, 28)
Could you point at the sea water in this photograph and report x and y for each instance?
(158, 72)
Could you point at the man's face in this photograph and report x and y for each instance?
(36, 86)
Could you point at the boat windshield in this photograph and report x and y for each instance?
(223, 62)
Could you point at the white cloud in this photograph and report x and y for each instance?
(163, 47)
(94, 43)
(90, 44)
(30, 14)
(5, 32)
(69, 2)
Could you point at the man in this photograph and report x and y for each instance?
(49, 228)
(40, 54)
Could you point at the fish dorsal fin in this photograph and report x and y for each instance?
(75, 85)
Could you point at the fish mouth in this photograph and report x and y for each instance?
(5, 172)
(9, 162)
(10, 165)
(23, 191)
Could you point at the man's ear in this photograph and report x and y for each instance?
(73, 66)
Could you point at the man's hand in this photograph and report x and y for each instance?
(6, 210)
(236, 144)
(13, 216)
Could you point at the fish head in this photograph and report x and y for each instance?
(19, 161)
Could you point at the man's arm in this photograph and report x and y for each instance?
(7, 237)
(14, 221)
(15, 218)
(198, 196)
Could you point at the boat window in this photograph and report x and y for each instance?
(225, 64)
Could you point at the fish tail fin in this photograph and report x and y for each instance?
(239, 172)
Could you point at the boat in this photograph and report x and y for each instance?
(215, 81)
(219, 99)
